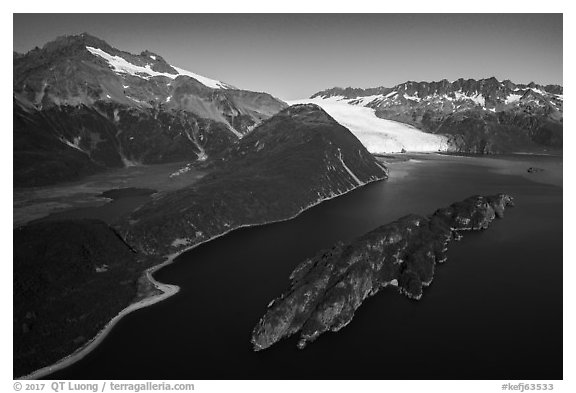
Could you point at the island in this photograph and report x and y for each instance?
(327, 289)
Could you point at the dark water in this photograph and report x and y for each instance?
(494, 310)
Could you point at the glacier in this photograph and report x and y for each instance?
(376, 134)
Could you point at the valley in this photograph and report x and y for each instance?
(84, 197)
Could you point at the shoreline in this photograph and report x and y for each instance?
(168, 291)
(493, 155)
(518, 166)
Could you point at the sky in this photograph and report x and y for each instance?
(293, 56)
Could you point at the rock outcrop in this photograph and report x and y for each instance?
(327, 289)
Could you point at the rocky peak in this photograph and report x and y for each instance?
(305, 114)
(508, 84)
(489, 93)
(72, 43)
(554, 89)
(150, 54)
(157, 62)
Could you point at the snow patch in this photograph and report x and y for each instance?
(214, 84)
(135, 99)
(479, 99)
(75, 143)
(366, 100)
(541, 92)
(513, 98)
(181, 171)
(239, 135)
(413, 98)
(122, 66)
(360, 182)
(202, 156)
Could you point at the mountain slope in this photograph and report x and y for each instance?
(81, 95)
(478, 116)
(293, 160)
(70, 278)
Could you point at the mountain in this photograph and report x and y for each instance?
(291, 161)
(294, 160)
(476, 116)
(81, 106)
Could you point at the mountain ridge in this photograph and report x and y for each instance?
(478, 116)
(351, 91)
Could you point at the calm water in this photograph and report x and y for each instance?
(494, 310)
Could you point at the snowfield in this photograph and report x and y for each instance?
(377, 135)
(122, 66)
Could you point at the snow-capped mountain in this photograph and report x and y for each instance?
(153, 66)
(482, 116)
(81, 105)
